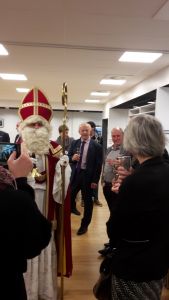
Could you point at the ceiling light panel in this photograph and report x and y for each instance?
(7, 76)
(92, 100)
(22, 90)
(139, 57)
(100, 94)
(112, 81)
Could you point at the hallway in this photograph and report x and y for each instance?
(86, 260)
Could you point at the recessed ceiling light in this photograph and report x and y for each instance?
(22, 90)
(140, 57)
(100, 94)
(92, 101)
(113, 81)
(3, 50)
(6, 76)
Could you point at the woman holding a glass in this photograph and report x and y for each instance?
(140, 225)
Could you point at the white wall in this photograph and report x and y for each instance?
(117, 118)
(10, 118)
(162, 109)
(162, 106)
(74, 120)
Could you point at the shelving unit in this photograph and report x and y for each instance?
(145, 109)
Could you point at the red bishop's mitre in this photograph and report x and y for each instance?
(35, 103)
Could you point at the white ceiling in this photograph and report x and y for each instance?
(79, 42)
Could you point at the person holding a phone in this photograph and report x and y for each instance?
(24, 231)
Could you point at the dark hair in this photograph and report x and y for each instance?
(92, 124)
(63, 128)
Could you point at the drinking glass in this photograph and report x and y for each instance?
(125, 162)
(78, 153)
(115, 166)
(78, 150)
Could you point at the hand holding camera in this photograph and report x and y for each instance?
(21, 166)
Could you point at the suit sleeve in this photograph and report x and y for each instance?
(72, 151)
(99, 161)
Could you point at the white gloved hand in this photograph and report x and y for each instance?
(34, 160)
(64, 160)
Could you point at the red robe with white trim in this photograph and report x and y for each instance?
(53, 210)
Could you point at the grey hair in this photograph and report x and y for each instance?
(117, 128)
(144, 136)
(86, 125)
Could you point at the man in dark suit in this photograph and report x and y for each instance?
(85, 157)
(94, 136)
(4, 137)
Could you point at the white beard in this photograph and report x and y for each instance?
(36, 140)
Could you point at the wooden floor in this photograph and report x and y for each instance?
(86, 259)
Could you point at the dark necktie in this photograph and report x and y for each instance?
(81, 155)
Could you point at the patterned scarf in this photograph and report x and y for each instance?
(5, 178)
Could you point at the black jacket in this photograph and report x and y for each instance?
(4, 137)
(24, 232)
(141, 223)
